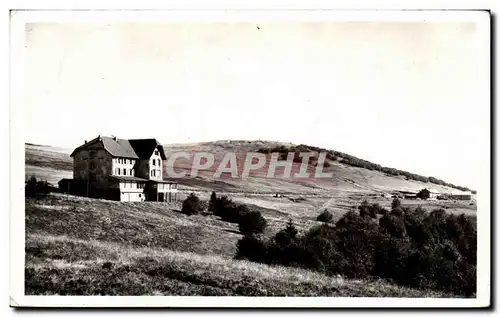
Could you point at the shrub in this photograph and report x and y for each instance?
(353, 220)
(367, 210)
(325, 216)
(393, 225)
(192, 205)
(36, 189)
(252, 222)
(419, 211)
(416, 228)
(287, 235)
(233, 212)
(396, 203)
(397, 212)
(425, 250)
(213, 202)
(227, 210)
(251, 248)
(364, 208)
(219, 204)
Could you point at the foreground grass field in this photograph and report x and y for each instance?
(81, 246)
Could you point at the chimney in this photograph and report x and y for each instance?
(114, 138)
(85, 141)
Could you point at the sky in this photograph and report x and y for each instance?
(401, 94)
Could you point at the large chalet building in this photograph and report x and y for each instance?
(120, 169)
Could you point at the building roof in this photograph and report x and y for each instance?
(137, 148)
(407, 192)
(119, 147)
(144, 148)
(432, 191)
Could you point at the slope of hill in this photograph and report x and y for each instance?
(349, 185)
(346, 178)
(81, 246)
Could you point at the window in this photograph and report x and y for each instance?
(154, 162)
(140, 195)
(92, 153)
(159, 162)
(92, 165)
(118, 171)
(156, 152)
(131, 172)
(124, 171)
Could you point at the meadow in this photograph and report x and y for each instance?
(82, 246)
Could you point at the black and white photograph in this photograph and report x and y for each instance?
(250, 158)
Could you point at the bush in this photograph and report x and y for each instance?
(36, 189)
(252, 222)
(192, 205)
(287, 235)
(393, 225)
(410, 247)
(396, 203)
(325, 216)
(367, 210)
(212, 202)
(397, 212)
(233, 212)
(251, 248)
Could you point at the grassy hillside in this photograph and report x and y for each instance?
(80, 246)
(52, 163)
(48, 163)
(346, 179)
(348, 187)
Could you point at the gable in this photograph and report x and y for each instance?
(145, 148)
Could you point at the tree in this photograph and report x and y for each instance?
(192, 205)
(252, 222)
(213, 202)
(396, 203)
